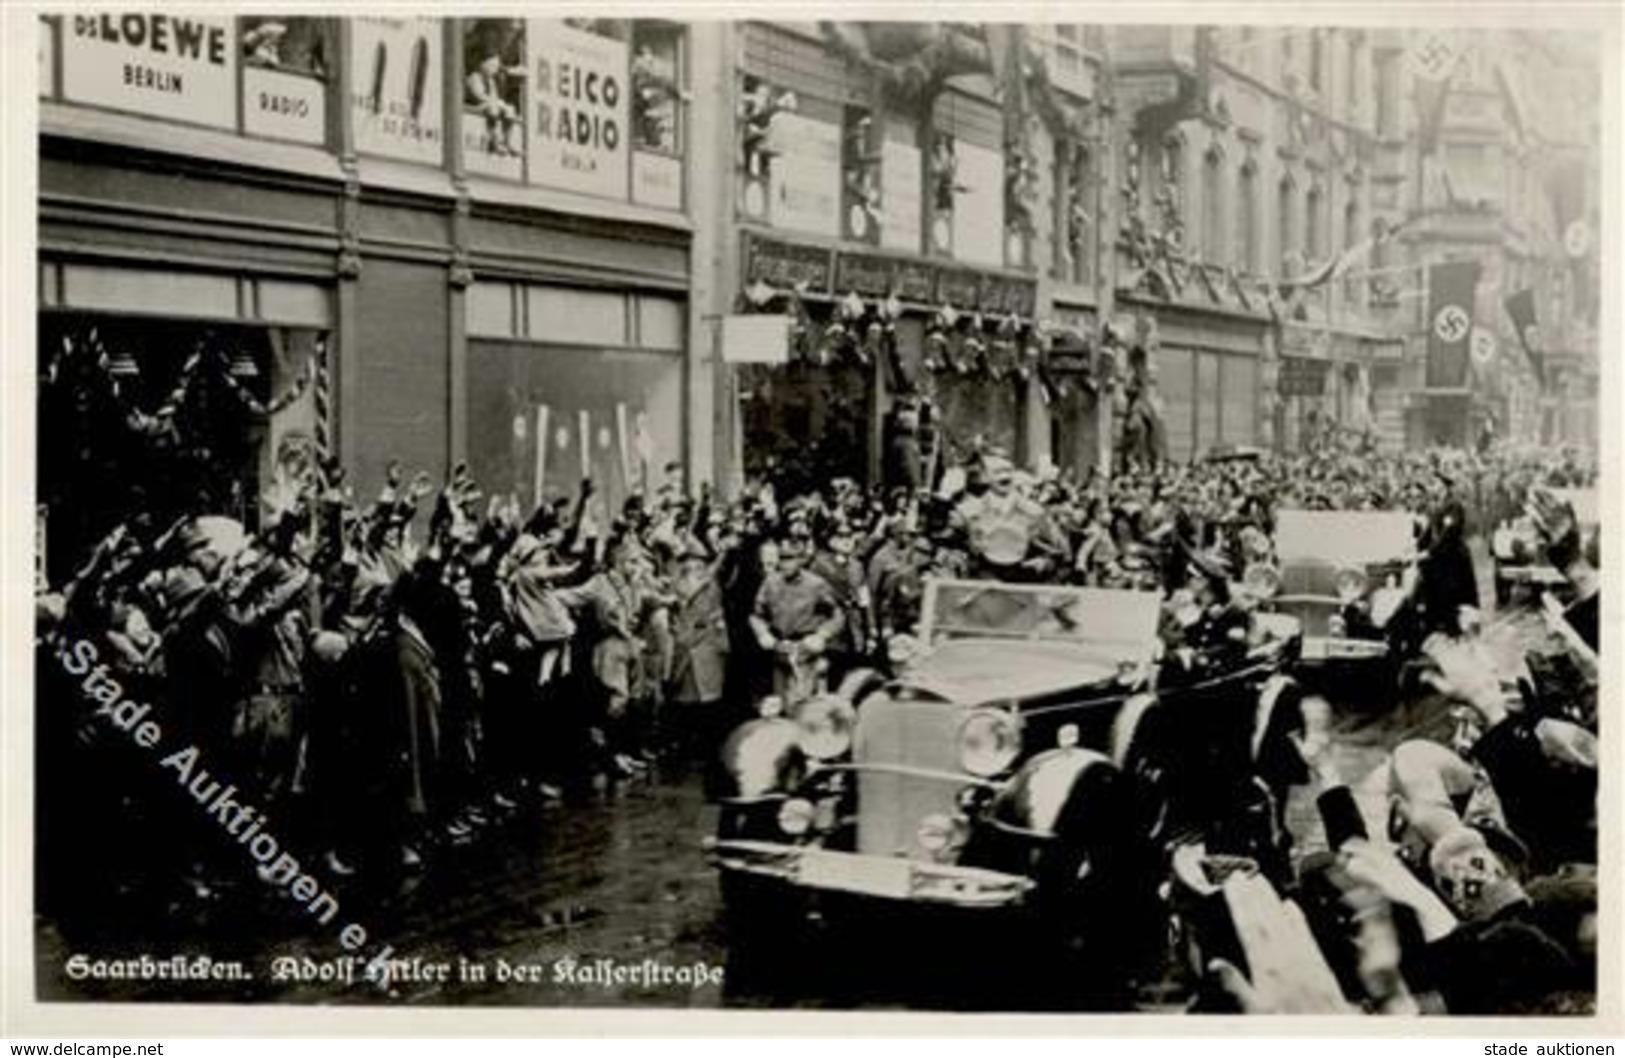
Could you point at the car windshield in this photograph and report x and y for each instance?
(1117, 622)
(1343, 537)
(1584, 502)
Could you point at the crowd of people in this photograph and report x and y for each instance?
(392, 680)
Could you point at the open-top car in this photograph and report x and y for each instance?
(988, 776)
(1519, 554)
(1339, 574)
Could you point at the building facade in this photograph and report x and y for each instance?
(384, 240)
(558, 249)
(1490, 158)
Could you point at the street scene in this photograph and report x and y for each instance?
(938, 516)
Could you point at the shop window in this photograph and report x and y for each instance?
(660, 323)
(494, 96)
(1208, 399)
(489, 311)
(1176, 383)
(657, 87)
(166, 417)
(561, 314)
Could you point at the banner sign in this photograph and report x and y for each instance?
(900, 184)
(786, 265)
(284, 106)
(804, 181)
(180, 68)
(1451, 288)
(979, 209)
(580, 110)
(396, 97)
(1302, 377)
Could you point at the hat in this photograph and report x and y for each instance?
(691, 549)
(182, 587)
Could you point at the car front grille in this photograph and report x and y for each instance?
(895, 742)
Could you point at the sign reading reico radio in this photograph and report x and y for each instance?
(581, 110)
(395, 88)
(181, 68)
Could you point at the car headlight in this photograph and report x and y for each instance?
(796, 816)
(826, 724)
(1336, 626)
(1351, 584)
(988, 742)
(1262, 579)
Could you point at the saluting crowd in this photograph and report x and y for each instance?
(393, 680)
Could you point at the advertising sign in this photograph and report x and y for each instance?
(900, 197)
(804, 192)
(285, 72)
(979, 209)
(657, 180)
(397, 102)
(177, 67)
(580, 109)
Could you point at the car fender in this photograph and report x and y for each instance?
(763, 757)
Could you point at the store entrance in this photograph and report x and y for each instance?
(148, 420)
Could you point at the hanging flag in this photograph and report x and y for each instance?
(1451, 291)
(1520, 308)
(1433, 59)
(1339, 263)
(1506, 86)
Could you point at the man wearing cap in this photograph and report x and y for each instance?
(795, 616)
(1010, 535)
(699, 629)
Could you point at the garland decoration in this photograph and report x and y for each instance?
(281, 401)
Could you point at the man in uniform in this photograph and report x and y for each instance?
(1011, 536)
(794, 619)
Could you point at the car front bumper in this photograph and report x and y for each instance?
(879, 877)
(1544, 576)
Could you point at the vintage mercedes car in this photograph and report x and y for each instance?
(1519, 554)
(996, 773)
(1339, 573)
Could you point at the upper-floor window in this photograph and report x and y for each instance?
(1351, 237)
(1285, 228)
(1247, 233)
(1317, 63)
(1314, 226)
(1213, 208)
(1065, 48)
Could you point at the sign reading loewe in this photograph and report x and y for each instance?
(177, 67)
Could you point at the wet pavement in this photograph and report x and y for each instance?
(569, 906)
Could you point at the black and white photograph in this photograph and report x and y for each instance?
(857, 514)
